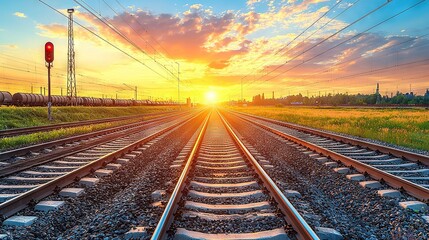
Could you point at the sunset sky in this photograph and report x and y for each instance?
(285, 46)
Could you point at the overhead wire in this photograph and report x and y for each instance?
(347, 40)
(141, 25)
(103, 39)
(355, 36)
(388, 54)
(117, 31)
(138, 34)
(293, 40)
(322, 41)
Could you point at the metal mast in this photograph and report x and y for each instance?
(71, 73)
(178, 83)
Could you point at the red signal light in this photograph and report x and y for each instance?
(49, 52)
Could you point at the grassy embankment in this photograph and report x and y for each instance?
(404, 127)
(18, 117)
(13, 117)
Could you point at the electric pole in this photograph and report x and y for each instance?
(178, 83)
(71, 72)
(133, 88)
(242, 89)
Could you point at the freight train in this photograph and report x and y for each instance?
(31, 99)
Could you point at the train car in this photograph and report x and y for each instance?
(30, 99)
(87, 101)
(123, 102)
(44, 101)
(20, 99)
(5, 98)
(116, 102)
(33, 99)
(99, 102)
(107, 102)
(54, 100)
(79, 101)
(58, 100)
(62, 100)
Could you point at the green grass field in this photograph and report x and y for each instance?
(39, 137)
(18, 117)
(404, 127)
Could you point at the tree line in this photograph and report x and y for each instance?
(346, 99)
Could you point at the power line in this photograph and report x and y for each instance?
(141, 25)
(367, 72)
(347, 40)
(389, 47)
(296, 37)
(103, 39)
(117, 31)
(322, 41)
(353, 37)
(138, 34)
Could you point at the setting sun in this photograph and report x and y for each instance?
(211, 97)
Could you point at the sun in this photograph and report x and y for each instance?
(211, 97)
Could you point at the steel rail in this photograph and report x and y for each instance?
(413, 189)
(24, 150)
(13, 205)
(29, 130)
(292, 216)
(424, 159)
(23, 165)
(171, 207)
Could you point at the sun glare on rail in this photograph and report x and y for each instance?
(211, 97)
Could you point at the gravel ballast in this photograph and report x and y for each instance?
(118, 202)
(331, 200)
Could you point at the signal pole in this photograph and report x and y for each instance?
(49, 58)
(133, 88)
(71, 73)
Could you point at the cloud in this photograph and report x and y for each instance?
(20, 15)
(226, 46)
(219, 64)
(56, 30)
(252, 2)
(197, 36)
(196, 6)
(360, 62)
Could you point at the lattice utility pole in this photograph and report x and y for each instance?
(71, 72)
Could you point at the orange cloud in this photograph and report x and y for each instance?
(226, 47)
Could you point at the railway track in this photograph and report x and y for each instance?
(403, 170)
(29, 130)
(56, 150)
(19, 154)
(32, 181)
(224, 193)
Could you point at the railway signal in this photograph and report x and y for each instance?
(49, 52)
(49, 58)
